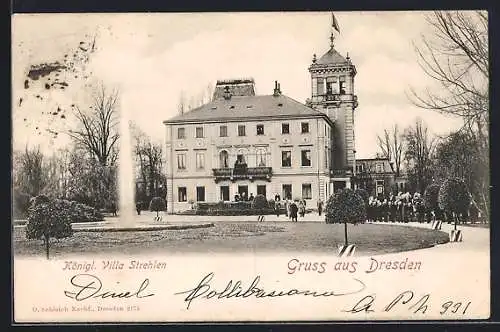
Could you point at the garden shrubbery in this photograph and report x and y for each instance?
(21, 203)
(79, 212)
(48, 219)
(346, 206)
(363, 194)
(454, 198)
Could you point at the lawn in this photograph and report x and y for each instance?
(240, 237)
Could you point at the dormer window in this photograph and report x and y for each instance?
(227, 93)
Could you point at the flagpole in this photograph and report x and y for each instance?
(335, 26)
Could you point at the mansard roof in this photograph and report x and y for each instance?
(241, 108)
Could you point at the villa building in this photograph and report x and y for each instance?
(245, 144)
(378, 177)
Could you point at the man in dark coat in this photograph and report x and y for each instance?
(320, 207)
(293, 211)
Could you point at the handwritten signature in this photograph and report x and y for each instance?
(204, 290)
(410, 301)
(90, 286)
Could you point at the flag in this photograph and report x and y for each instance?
(335, 24)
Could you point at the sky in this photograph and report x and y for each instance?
(153, 58)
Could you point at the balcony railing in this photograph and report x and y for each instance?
(250, 173)
(341, 172)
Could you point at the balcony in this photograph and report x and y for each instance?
(250, 173)
(335, 97)
(347, 172)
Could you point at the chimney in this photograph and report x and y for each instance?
(277, 90)
(227, 93)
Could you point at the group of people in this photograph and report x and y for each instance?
(243, 197)
(405, 207)
(293, 208)
(396, 208)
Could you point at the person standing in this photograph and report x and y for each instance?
(302, 208)
(287, 208)
(277, 207)
(320, 207)
(293, 211)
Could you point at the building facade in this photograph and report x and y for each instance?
(245, 144)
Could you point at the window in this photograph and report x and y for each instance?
(314, 86)
(285, 128)
(306, 191)
(287, 191)
(360, 168)
(181, 161)
(342, 85)
(241, 156)
(260, 129)
(243, 192)
(380, 186)
(224, 159)
(200, 194)
(305, 127)
(321, 86)
(331, 85)
(200, 160)
(181, 194)
(199, 132)
(379, 168)
(181, 133)
(224, 193)
(241, 130)
(261, 157)
(223, 131)
(286, 158)
(306, 157)
(261, 190)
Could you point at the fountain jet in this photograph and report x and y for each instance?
(126, 178)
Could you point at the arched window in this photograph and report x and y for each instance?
(261, 157)
(224, 159)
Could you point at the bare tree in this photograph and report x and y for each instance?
(98, 133)
(384, 144)
(149, 156)
(391, 145)
(456, 56)
(419, 154)
(203, 97)
(29, 175)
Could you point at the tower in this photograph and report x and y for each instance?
(332, 83)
